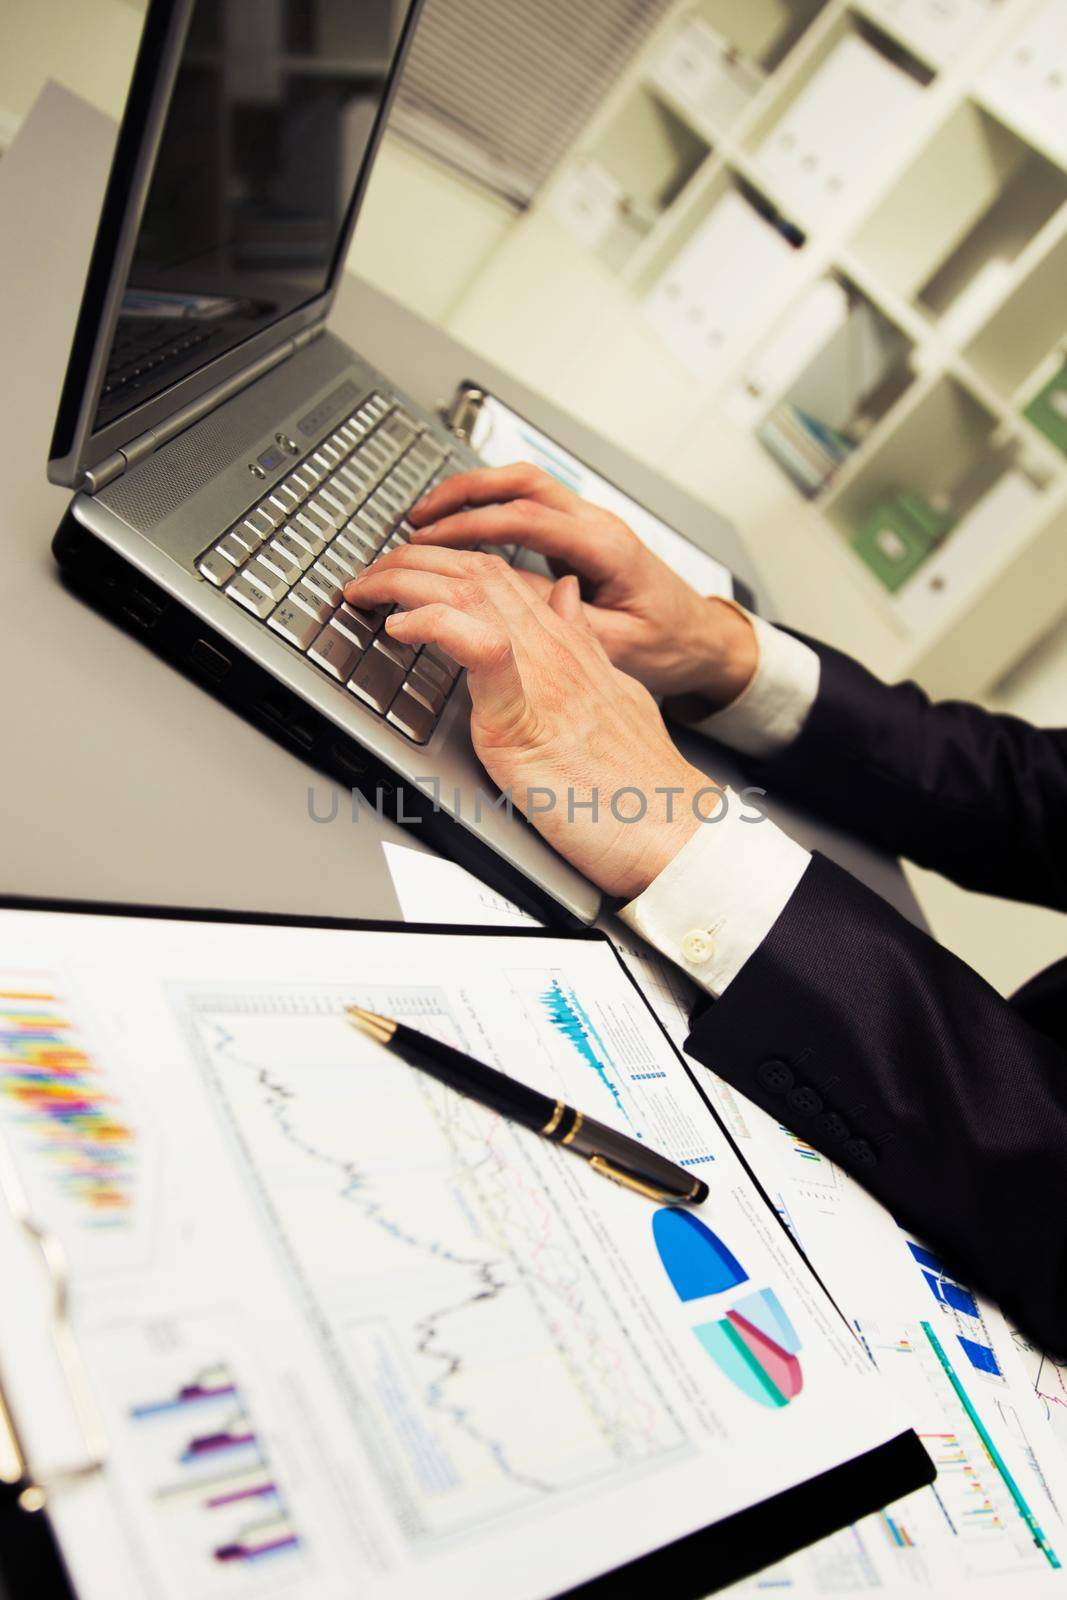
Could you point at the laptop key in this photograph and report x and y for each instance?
(361, 626)
(248, 595)
(431, 672)
(216, 568)
(302, 538)
(411, 716)
(434, 653)
(350, 552)
(322, 580)
(376, 679)
(312, 601)
(402, 654)
(280, 561)
(328, 566)
(294, 624)
(250, 532)
(293, 549)
(336, 652)
(331, 511)
(265, 578)
(431, 695)
(235, 549)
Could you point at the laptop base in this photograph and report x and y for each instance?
(98, 575)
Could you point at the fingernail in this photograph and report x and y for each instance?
(390, 623)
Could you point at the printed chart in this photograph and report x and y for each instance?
(74, 1141)
(977, 1491)
(483, 1351)
(754, 1344)
(209, 1471)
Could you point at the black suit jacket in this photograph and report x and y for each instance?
(874, 1043)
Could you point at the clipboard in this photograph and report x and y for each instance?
(31, 1558)
(473, 414)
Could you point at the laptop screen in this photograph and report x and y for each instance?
(269, 123)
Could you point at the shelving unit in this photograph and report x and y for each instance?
(845, 229)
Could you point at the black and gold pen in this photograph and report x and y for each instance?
(614, 1155)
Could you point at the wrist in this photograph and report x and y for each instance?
(725, 654)
(644, 846)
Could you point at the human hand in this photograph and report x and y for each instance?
(650, 622)
(580, 746)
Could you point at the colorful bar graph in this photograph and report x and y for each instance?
(216, 1472)
(56, 1096)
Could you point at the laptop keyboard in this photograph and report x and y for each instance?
(287, 561)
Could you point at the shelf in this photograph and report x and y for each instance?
(611, 198)
(936, 32)
(1012, 349)
(942, 447)
(761, 31)
(947, 232)
(1026, 83)
(717, 58)
(649, 152)
(844, 366)
(831, 131)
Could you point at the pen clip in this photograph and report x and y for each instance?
(619, 1175)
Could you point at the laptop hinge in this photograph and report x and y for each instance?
(113, 466)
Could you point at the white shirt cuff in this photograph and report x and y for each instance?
(773, 706)
(715, 903)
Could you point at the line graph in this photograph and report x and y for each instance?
(480, 1345)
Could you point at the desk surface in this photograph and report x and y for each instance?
(125, 781)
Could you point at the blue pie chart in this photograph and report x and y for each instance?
(694, 1258)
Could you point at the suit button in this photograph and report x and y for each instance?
(775, 1076)
(804, 1099)
(859, 1151)
(833, 1126)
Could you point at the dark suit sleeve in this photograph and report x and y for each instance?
(978, 797)
(882, 1049)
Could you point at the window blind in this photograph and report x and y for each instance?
(500, 88)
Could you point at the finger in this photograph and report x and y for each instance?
(485, 486)
(430, 558)
(396, 586)
(540, 583)
(473, 642)
(558, 535)
(566, 601)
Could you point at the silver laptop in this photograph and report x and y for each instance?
(235, 462)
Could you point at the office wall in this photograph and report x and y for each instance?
(87, 45)
(425, 233)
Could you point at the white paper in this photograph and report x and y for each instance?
(350, 1333)
(501, 436)
(922, 1543)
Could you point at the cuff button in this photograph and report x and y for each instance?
(805, 1100)
(698, 947)
(833, 1126)
(859, 1151)
(775, 1076)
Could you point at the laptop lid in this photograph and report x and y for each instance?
(243, 156)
